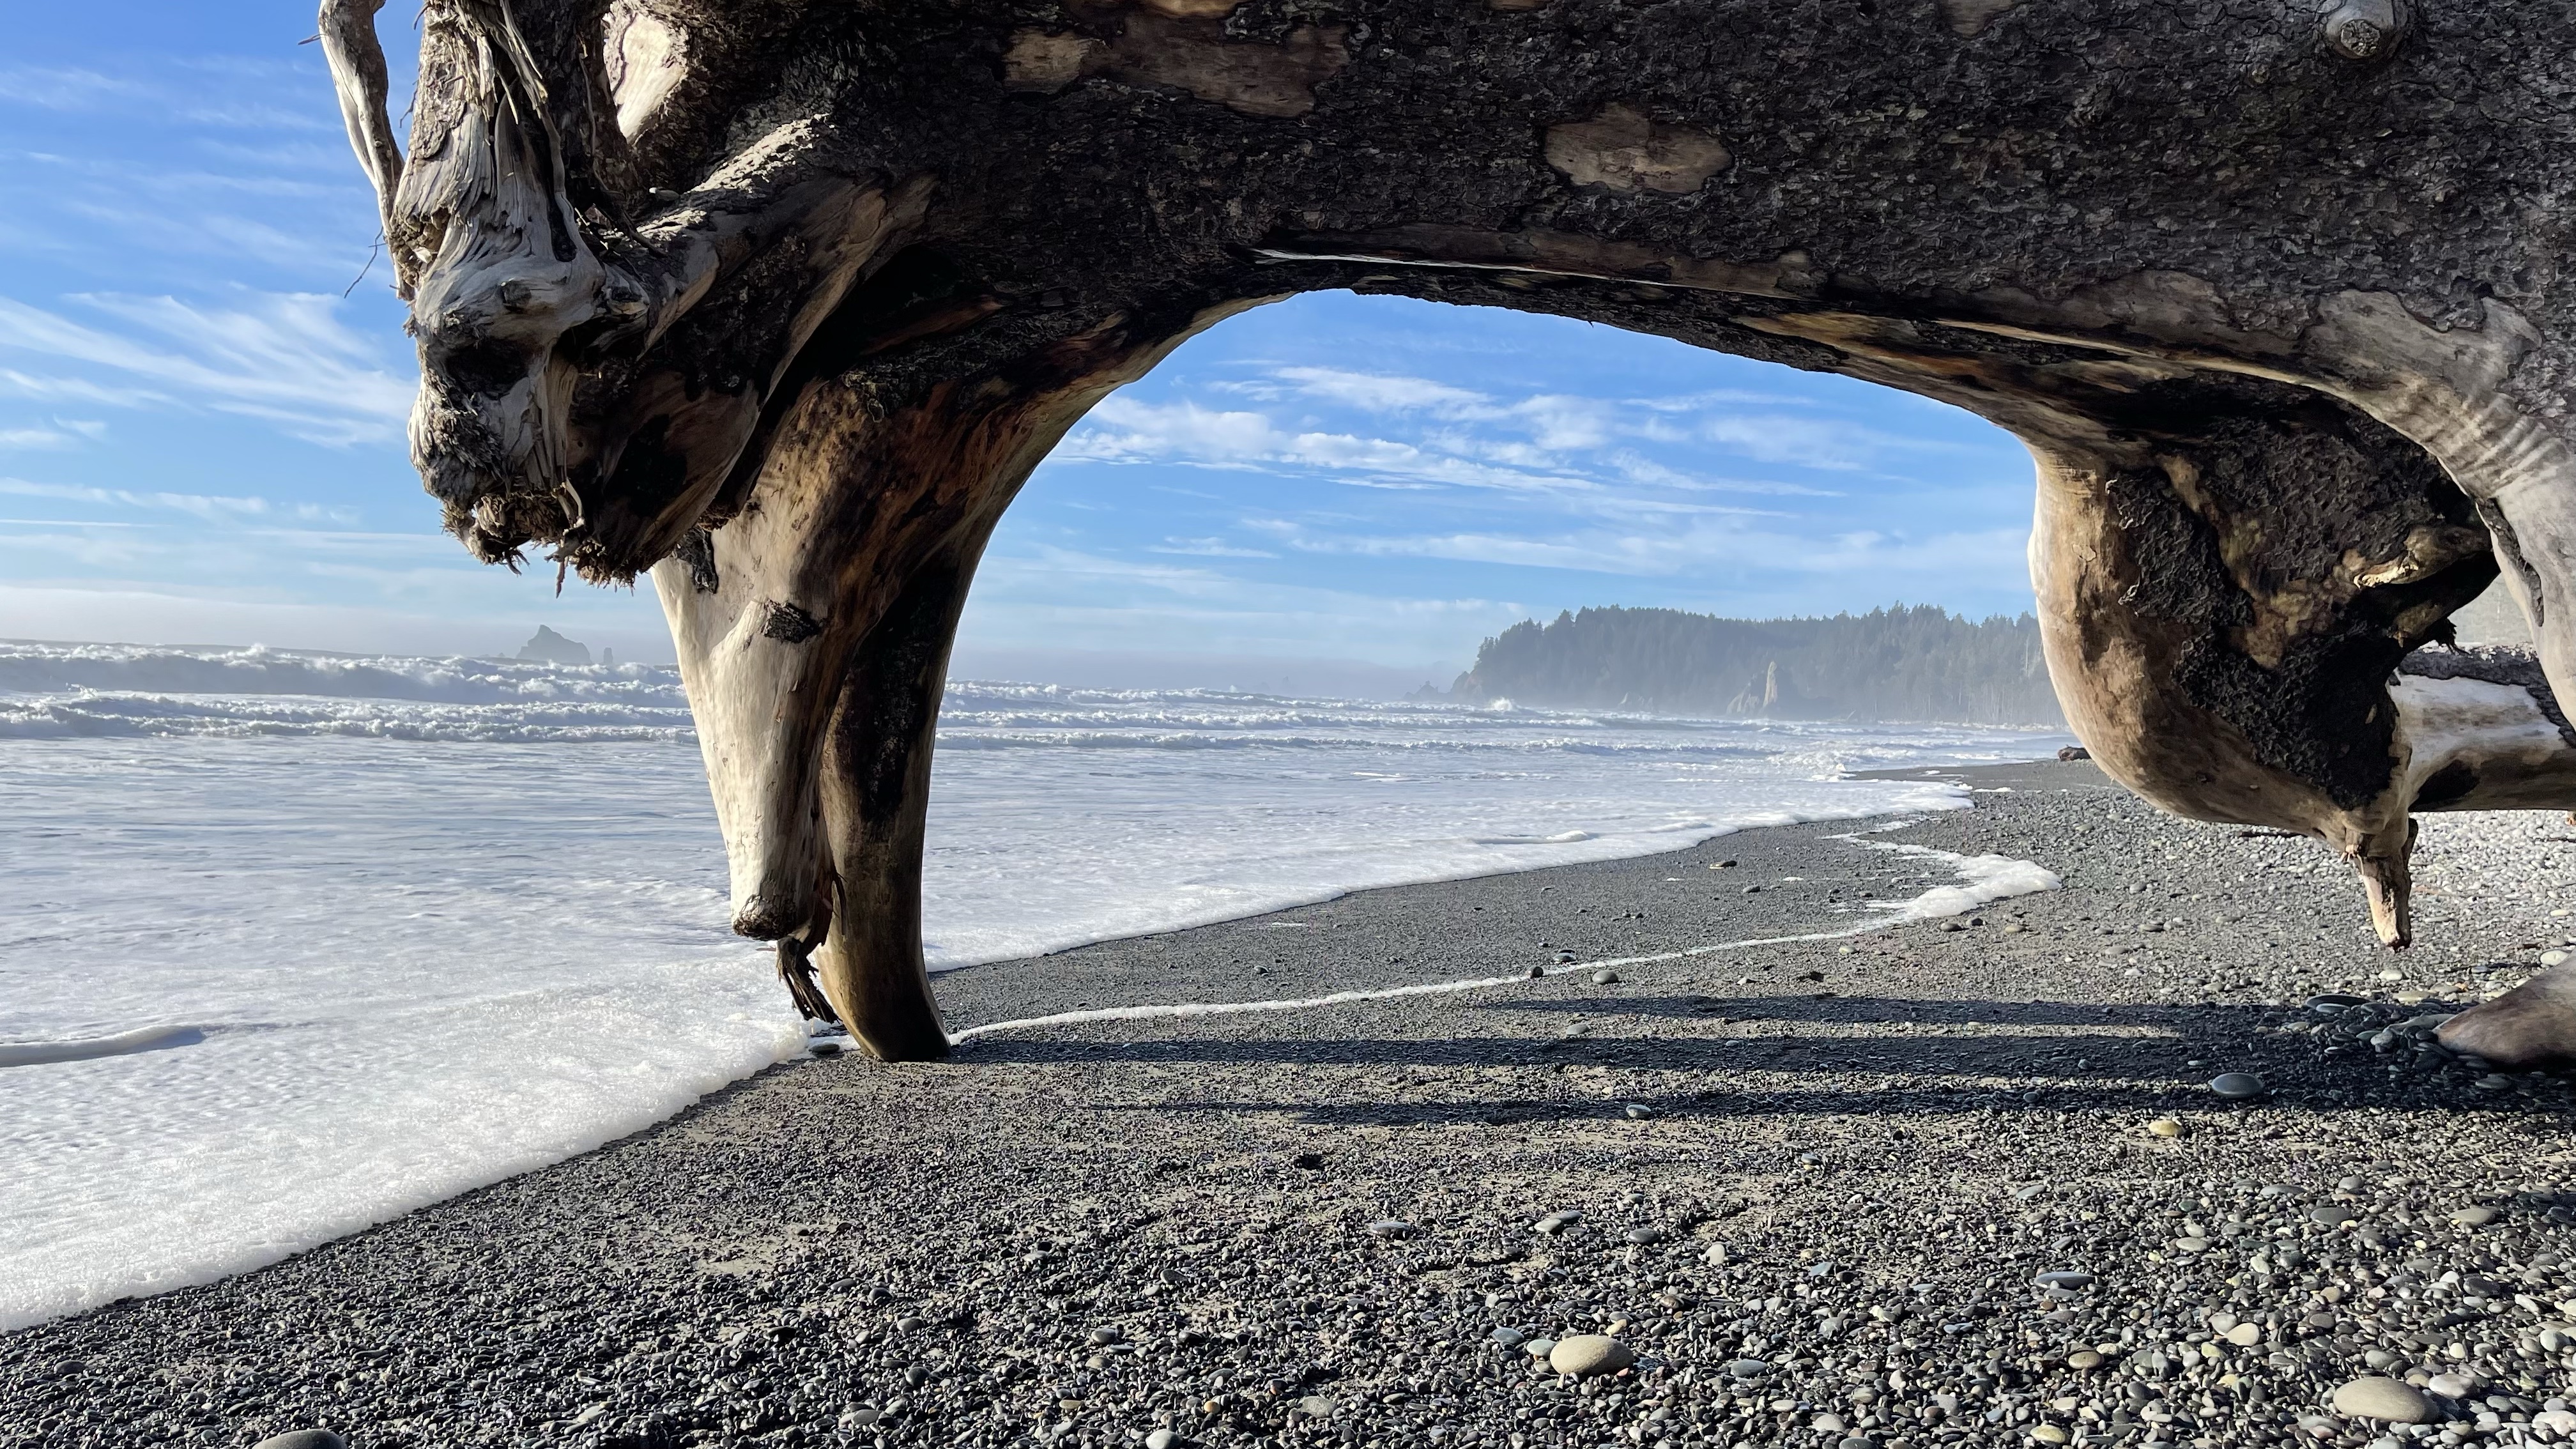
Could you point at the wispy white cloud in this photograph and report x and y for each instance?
(1445, 436)
(1208, 548)
(209, 507)
(1371, 392)
(1123, 430)
(74, 389)
(22, 439)
(1690, 547)
(67, 88)
(281, 357)
(1046, 595)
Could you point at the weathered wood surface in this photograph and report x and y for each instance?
(782, 299)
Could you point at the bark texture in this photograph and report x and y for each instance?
(781, 299)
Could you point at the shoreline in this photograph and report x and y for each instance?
(1846, 1158)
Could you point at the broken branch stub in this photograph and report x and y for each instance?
(783, 299)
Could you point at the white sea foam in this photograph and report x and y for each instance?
(257, 907)
(1982, 878)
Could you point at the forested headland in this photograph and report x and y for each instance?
(1919, 663)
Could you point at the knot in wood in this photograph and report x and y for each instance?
(787, 623)
(2364, 30)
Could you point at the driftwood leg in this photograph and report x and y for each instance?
(876, 797)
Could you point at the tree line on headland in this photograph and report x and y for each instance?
(1920, 663)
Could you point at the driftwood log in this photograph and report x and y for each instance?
(781, 301)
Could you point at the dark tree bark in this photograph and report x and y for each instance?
(782, 299)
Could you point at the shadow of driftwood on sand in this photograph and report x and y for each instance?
(1975, 1055)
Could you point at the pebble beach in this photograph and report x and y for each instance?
(2163, 1156)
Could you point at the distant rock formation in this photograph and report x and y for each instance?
(549, 647)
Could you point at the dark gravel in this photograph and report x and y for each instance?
(1813, 1179)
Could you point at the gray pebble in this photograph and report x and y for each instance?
(1587, 1354)
(2386, 1400)
(1163, 1439)
(1538, 1347)
(2236, 1086)
(1391, 1228)
(303, 1439)
(1605, 978)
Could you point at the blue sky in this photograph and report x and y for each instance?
(201, 430)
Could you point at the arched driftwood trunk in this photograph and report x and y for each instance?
(782, 299)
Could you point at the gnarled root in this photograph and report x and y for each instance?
(796, 969)
(2386, 877)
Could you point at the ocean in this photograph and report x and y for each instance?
(293, 943)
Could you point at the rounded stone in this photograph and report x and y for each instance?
(2236, 1086)
(1103, 1337)
(1163, 1439)
(1748, 1368)
(2245, 1335)
(2331, 1214)
(303, 1439)
(2164, 1127)
(1539, 1347)
(2386, 1400)
(2048, 1434)
(1587, 1354)
(1605, 978)
(2083, 1358)
(2071, 1280)
(1637, 1111)
(2475, 1217)
(1391, 1228)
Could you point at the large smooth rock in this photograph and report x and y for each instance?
(2386, 1400)
(303, 1439)
(1585, 1354)
(2531, 1026)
